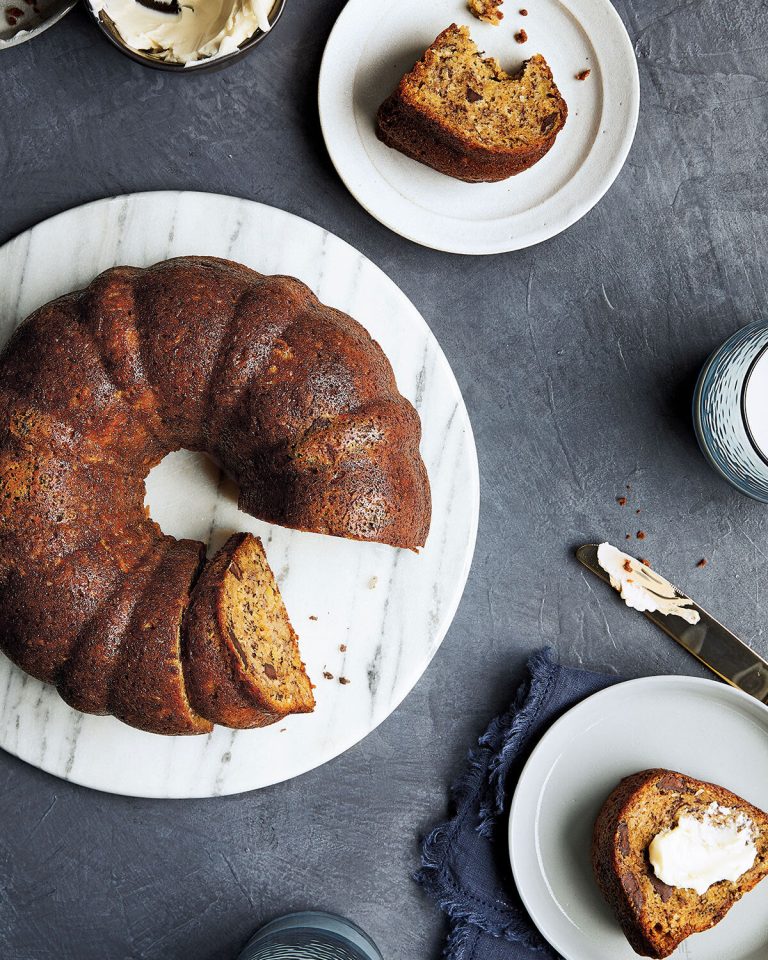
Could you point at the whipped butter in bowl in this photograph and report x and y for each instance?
(185, 34)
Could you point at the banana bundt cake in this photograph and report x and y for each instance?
(292, 398)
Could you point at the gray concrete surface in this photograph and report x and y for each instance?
(577, 359)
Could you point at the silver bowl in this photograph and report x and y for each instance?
(110, 31)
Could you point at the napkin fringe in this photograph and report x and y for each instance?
(506, 733)
(465, 919)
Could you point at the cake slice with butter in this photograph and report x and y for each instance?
(672, 855)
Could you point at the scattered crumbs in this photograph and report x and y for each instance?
(343, 647)
(521, 36)
(523, 12)
(344, 681)
(583, 74)
(638, 510)
(702, 563)
(312, 617)
(645, 563)
(283, 729)
(628, 536)
(487, 10)
(641, 534)
(622, 501)
(628, 566)
(327, 675)
(629, 487)
(372, 583)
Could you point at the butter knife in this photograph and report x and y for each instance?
(708, 640)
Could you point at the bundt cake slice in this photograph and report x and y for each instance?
(148, 688)
(464, 116)
(723, 836)
(241, 654)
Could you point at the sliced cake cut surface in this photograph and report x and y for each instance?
(241, 655)
(460, 113)
(672, 854)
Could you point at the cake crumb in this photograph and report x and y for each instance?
(641, 534)
(327, 675)
(344, 681)
(521, 36)
(622, 501)
(283, 729)
(702, 563)
(372, 583)
(638, 510)
(583, 74)
(645, 563)
(523, 12)
(628, 536)
(343, 647)
(487, 10)
(628, 566)
(312, 617)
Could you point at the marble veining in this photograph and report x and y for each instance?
(391, 608)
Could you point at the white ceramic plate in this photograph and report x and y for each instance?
(699, 727)
(375, 42)
(391, 608)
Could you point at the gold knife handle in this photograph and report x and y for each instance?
(720, 650)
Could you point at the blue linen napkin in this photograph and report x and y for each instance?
(465, 860)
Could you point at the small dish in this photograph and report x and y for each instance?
(21, 20)
(700, 727)
(112, 34)
(375, 42)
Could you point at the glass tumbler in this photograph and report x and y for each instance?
(310, 936)
(730, 410)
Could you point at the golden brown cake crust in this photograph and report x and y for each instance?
(654, 917)
(294, 399)
(442, 136)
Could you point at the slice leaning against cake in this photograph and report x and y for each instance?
(460, 113)
(241, 654)
(672, 855)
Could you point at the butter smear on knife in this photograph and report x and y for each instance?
(642, 588)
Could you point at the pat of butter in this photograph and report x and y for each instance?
(700, 851)
(642, 588)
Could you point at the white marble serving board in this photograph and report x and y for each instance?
(391, 608)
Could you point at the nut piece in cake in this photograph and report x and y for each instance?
(487, 10)
(461, 114)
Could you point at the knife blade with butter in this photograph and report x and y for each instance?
(683, 619)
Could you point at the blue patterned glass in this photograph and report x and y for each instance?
(310, 936)
(725, 424)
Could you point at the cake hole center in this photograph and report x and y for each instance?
(191, 498)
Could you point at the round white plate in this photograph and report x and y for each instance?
(699, 727)
(391, 608)
(375, 42)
